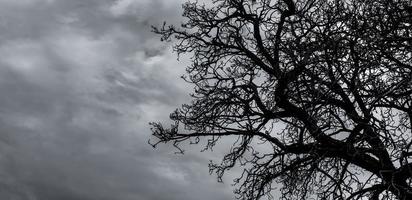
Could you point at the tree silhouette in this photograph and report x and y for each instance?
(315, 94)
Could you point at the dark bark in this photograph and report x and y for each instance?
(324, 86)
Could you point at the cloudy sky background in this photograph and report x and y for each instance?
(79, 82)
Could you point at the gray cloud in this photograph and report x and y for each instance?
(79, 81)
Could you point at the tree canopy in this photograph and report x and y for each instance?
(316, 95)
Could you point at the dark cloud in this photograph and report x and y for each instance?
(79, 81)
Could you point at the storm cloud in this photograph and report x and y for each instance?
(79, 82)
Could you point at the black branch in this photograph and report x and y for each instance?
(316, 95)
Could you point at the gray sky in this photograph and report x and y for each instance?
(79, 82)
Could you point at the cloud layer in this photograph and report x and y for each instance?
(79, 81)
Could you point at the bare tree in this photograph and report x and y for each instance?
(316, 95)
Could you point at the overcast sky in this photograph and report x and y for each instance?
(79, 82)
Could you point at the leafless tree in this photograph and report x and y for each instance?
(315, 94)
